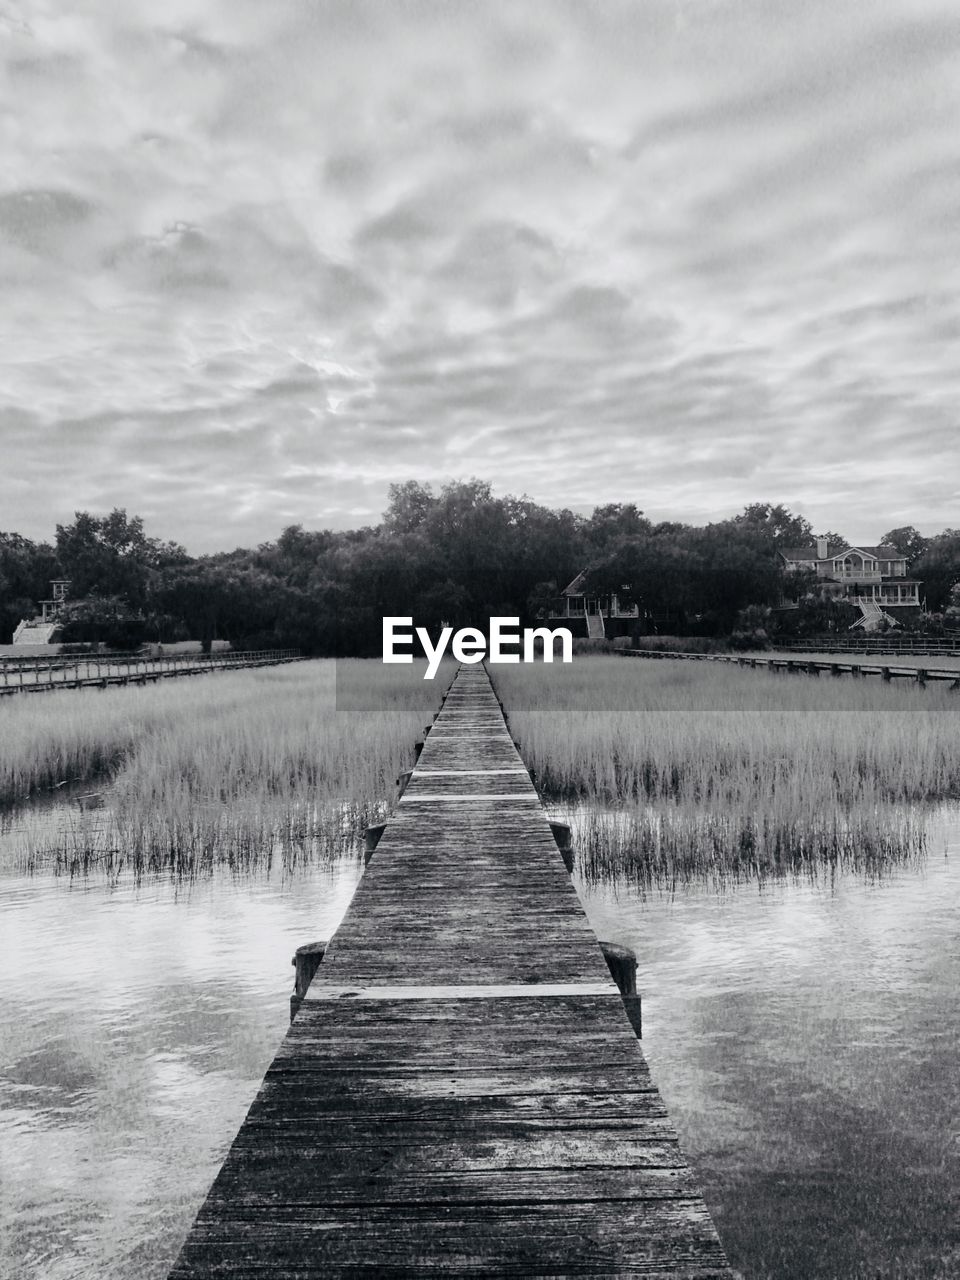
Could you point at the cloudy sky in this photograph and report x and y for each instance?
(258, 259)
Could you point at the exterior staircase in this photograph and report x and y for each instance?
(871, 615)
(30, 632)
(595, 627)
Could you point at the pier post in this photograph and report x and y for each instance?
(622, 963)
(306, 962)
(561, 833)
(371, 838)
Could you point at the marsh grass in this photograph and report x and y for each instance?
(242, 770)
(677, 770)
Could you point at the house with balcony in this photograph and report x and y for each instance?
(586, 613)
(872, 578)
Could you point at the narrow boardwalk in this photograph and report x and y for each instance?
(41, 675)
(808, 666)
(461, 1091)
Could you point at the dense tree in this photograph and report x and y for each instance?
(938, 567)
(112, 556)
(818, 613)
(99, 619)
(26, 569)
(907, 541)
(776, 524)
(410, 504)
(708, 574)
(457, 555)
(735, 565)
(612, 525)
(835, 541)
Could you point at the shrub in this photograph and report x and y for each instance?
(742, 640)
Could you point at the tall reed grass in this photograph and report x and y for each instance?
(673, 770)
(238, 768)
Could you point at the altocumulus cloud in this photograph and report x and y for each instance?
(259, 260)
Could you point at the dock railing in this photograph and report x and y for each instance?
(32, 673)
(811, 667)
(918, 646)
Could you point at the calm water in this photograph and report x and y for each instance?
(804, 1039)
(135, 1027)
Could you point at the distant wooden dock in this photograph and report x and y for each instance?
(809, 666)
(461, 1091)
(102, 671)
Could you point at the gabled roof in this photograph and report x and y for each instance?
(576, 586)
(879, 552)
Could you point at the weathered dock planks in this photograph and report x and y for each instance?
(461, 1092)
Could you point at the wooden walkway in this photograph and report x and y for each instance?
(810, 667)
(461, 1092)
(102, 671)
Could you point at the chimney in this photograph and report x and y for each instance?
(823, 548)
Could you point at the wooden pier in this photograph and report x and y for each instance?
(105, 670)
(921, 676)
(461, 1091)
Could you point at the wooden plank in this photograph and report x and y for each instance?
(601, 1238)
(462, 1092)
(486, 991)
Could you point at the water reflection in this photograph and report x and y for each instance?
(666, 844)
(79, 833)
(803, 1033)
(802, 1030)
(137, 1024)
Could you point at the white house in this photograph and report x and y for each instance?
(873, 578)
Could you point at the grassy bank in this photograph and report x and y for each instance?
(690, 769)
(285, 762)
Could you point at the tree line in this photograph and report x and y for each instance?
(457, 555)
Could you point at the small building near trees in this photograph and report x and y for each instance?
(592, 614)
